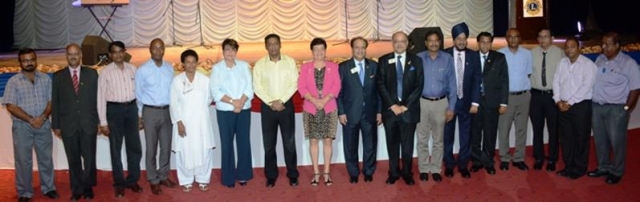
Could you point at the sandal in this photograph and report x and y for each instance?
(187, 188)
(314, 180)
(203, 187)
(327, 179)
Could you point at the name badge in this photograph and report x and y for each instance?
(392, 60)
(354, 70)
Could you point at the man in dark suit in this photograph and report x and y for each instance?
(494, 98)
(468, 79)
(400, 80)
(359, 110)
(74, 118)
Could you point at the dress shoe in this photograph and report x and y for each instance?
(230, 186)
(612, 179)
(368, 178)
(409, 180)
(538, 165)
(521, 165)
(75, 197)
(242, 183)
(24, 199)
(293, 181)
(424, 177)
(135, 188)
(598, 173)
(436, 177)
(574, 176)
(490, 170)
(52, 194)
(564, 173)
(391, 180)
(168, 183)
(448, 172)
(476, 168)
(119, 192)
(156, 189)
(353, 180)
(504, 166)
(88, 195)
(465, 173)
(551, 166)
(271, 182)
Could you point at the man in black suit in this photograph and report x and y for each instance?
(359, 110)
(74, 118)
(468, 79)
(400, 80)
(494, 98)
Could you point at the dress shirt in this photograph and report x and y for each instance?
(573, 82)
(520, 67)
(615, 78)
(275, 80)
(153, 84)
(439, 77)
(32, 98)
(233, 82)
(554, 54)
(115, 85)
(77, 69)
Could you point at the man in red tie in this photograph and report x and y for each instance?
(74, 119)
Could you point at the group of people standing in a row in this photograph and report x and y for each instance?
(423, 94)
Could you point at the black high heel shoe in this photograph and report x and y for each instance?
(314, 180)
(327, 179)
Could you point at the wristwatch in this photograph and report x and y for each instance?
(230, 100)
(626, 108)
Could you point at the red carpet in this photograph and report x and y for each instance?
(512, 185)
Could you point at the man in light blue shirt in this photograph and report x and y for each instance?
(520, 64)
(436, 105)
(153, 84)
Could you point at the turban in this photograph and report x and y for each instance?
(459, 29)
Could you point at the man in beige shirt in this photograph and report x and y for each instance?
(118, 113)
(275, 80)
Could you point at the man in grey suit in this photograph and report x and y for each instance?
(74, 118)
(28, 98)
(359, 110)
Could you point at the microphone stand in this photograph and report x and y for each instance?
(199, 18)
(378, 4)
(346, 26)
(173, 22)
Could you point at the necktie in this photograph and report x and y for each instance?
(399, 76)
(459, 74)
(361, 73)
(484, 60)
(544, 69)
(74, 78)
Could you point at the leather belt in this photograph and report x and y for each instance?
(518, 92)
(542, 91)
(123, 103)
(157, 107)
(434, 98)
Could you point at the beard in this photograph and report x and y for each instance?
(29, 68)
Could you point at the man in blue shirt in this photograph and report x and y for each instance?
(153, 84)
(436, 106)
(520, 63)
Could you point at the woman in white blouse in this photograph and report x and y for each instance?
(232, 90)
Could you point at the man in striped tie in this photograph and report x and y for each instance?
(74, 119)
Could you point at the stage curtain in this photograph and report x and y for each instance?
(54, 24)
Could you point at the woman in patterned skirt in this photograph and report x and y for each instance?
(319, 85)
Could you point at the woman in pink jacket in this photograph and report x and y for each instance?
(319, 85)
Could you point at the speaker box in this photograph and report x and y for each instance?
(95, 51)
(417, 40)
(92, 48)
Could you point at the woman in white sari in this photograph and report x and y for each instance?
(193, 141)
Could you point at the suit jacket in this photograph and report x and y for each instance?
(471, 79)
(413, 83)
(71, 112)
(353, 93)
(495, 78)
(331, 85)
